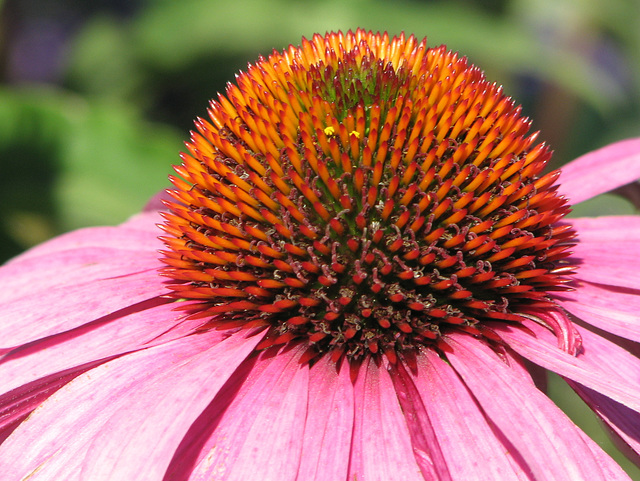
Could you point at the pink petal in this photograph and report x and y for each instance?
(456, 417)
(614, 310)
(29, 276)
(607, 259)
(140, 327)
(255, 430)
(196, 444)
(329, 423)
(602, 366)
(17, 404)
(139, 234)
(563, 328)
(608, 250)
(612, 470)
(381, 447)
(424, 438)
(147, 220)
(612, 228)
(600, 353)
(623, 422)
(604, 263)
(125, 418)
(548, 441)
(61, 308)
(601, 171)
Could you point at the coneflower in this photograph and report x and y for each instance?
(361, 250)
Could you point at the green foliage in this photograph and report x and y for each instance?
(200, 44)
(68, 162)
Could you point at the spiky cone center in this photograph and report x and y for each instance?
(364, 195)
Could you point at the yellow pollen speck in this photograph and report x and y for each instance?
(329, 131)
(356, 134)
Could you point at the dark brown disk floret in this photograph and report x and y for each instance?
(364, 194)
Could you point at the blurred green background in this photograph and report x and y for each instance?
(96, 97)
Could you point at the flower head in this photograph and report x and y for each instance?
(365, 194)
(361, 250)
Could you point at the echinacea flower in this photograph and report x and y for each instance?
(364, 268)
